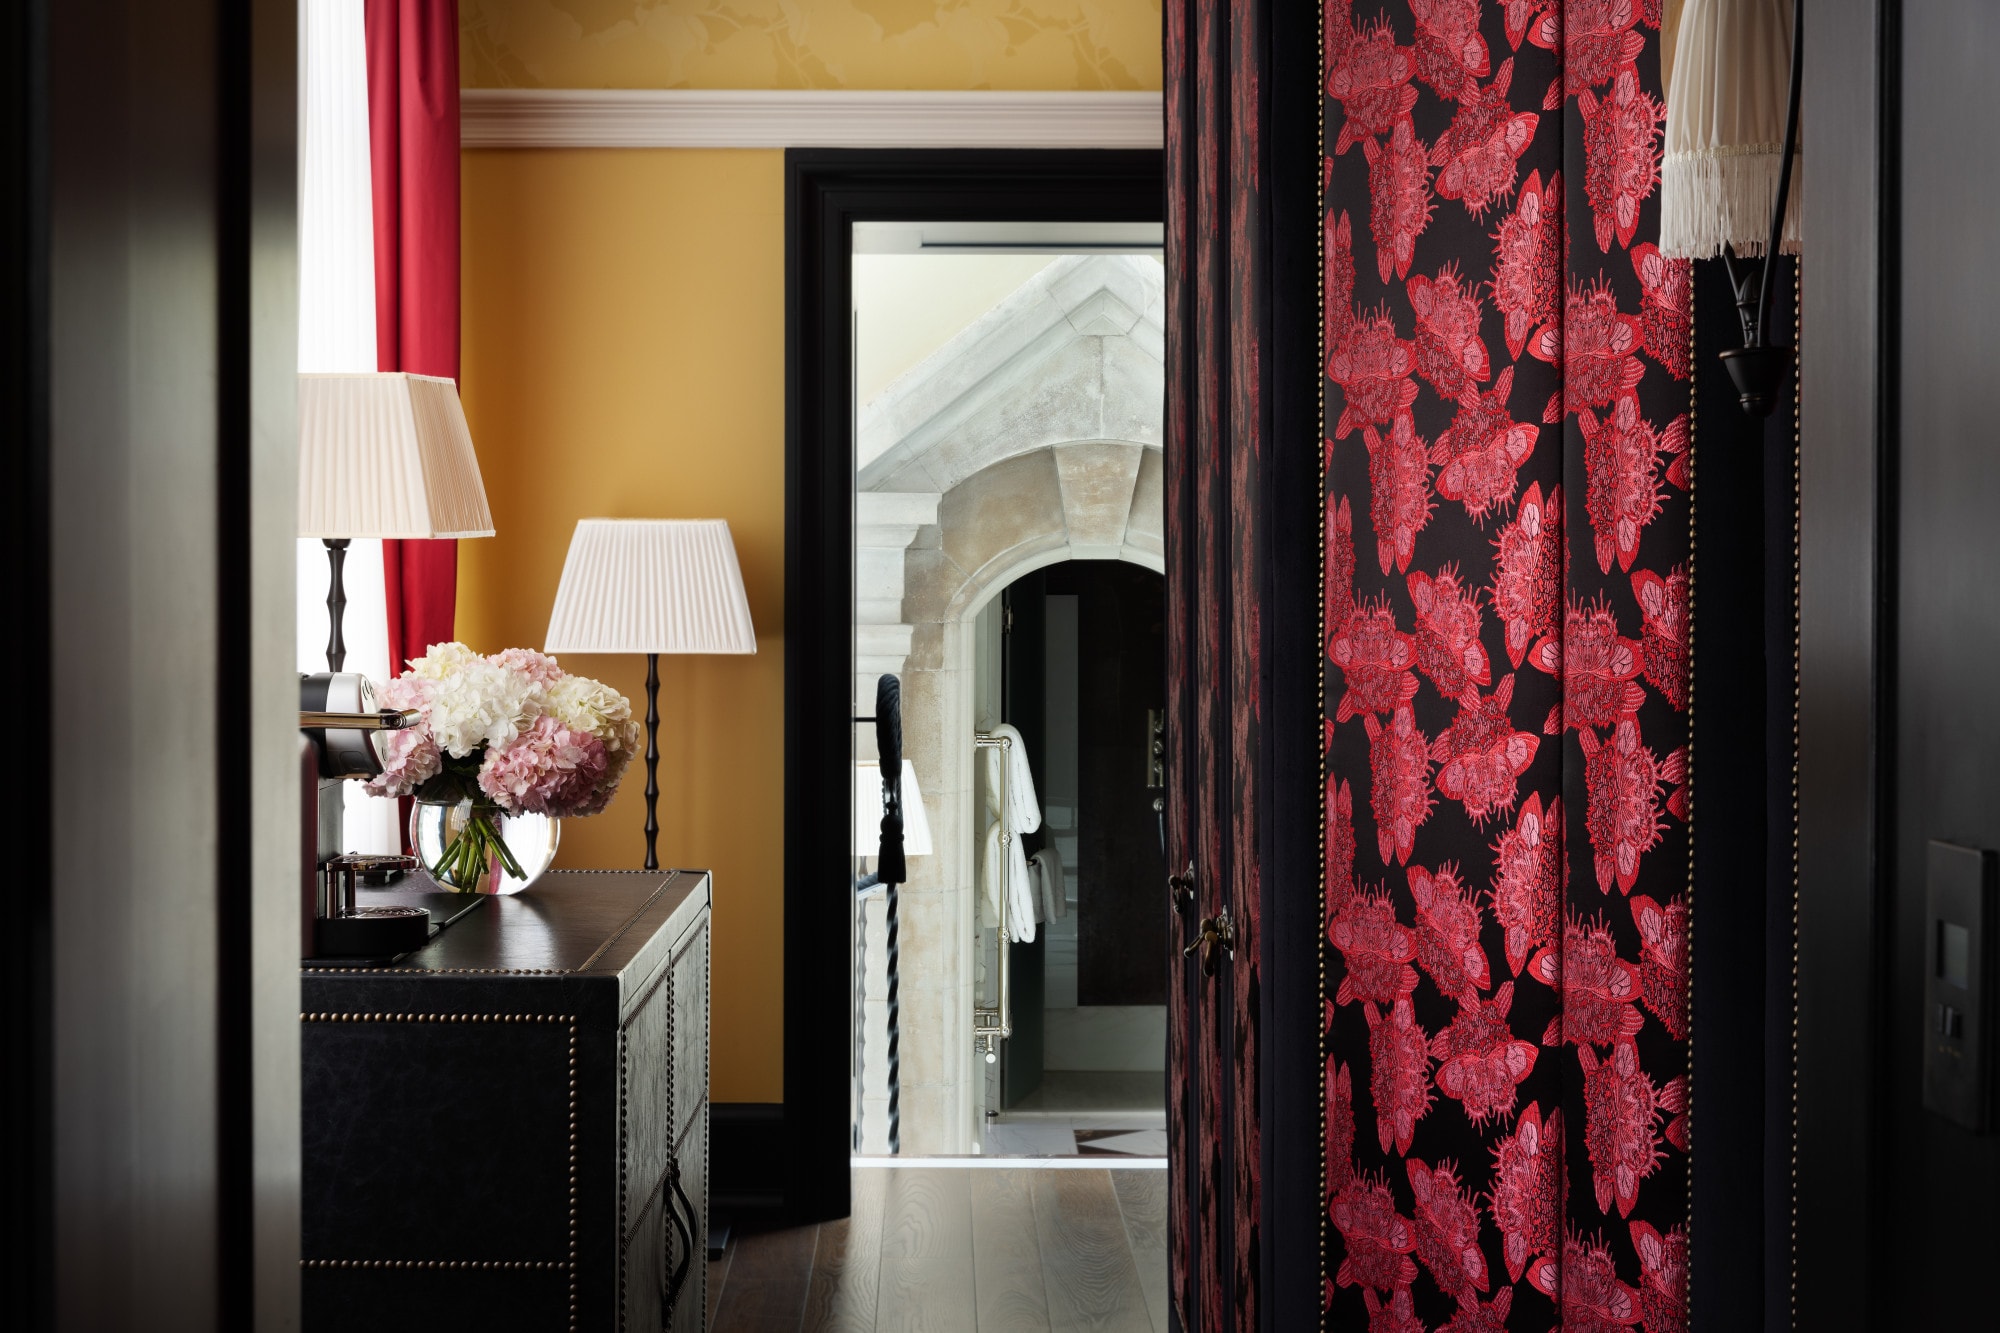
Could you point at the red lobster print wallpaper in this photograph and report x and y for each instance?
(1505, 629)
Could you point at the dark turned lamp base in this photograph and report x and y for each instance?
(652, 761)
(336, 602)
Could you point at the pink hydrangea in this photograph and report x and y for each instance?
(549, 769)
(410, 757)
(537, 667)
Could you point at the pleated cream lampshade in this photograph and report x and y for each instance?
(387, 455)
(651, 585)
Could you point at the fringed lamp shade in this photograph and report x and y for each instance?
(387, 455)
(1726, 129)
(643, 585)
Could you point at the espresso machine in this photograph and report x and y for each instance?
(338, 728)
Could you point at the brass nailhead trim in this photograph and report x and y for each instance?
(1799, 369)
(1325, 480)
(623, 1239)
(1693, 377)
(439, 971)
(572, 1177)
(438, 1018)
(535, 1265)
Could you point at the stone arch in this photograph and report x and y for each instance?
(1082, 500)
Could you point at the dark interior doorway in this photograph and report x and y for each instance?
(1085, 681)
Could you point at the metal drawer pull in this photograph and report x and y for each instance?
(672, 1291)
(1217, 932)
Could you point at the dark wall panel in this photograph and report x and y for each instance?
(1944, 1180)
(1842, 1224)
(165, 354)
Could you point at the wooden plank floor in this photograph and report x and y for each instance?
(955, 1249)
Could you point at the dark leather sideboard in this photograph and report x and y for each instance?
(509, 1128)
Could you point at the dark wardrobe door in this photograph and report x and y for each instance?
(1213, 559)
(1242, 458)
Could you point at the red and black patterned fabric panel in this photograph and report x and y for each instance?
(1505, 626)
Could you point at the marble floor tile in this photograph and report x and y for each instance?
(1096, 1091)
(1136, 1143)
(1030, 1140)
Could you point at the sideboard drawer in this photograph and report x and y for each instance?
(691, 1018)
(646, 1093)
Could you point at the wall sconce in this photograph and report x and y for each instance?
(1726, 177)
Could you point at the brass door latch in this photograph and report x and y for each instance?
(1216, 932)
(1180, 889)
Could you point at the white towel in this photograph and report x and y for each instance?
(1024, 812)
(1007, 894)
(1011, 886)
(1051, 893)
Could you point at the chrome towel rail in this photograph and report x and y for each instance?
(990, 1026)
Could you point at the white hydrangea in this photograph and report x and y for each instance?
(583, 704)
(474, 701)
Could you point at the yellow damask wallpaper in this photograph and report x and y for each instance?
(1057, 45)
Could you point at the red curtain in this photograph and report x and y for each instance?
(413, 132)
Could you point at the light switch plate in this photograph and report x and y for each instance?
(1959, 920)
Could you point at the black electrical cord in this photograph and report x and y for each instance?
(1784, 172)
(1758, 369)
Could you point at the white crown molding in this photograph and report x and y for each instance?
(841, 118)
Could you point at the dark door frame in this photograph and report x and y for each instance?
(826, 192)
(1847, 689)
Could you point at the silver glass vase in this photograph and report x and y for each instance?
(476, 847)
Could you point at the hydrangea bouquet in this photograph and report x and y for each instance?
(511, 733)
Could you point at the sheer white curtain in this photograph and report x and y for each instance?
(336, 333)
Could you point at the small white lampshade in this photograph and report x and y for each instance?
(1726, 130)
(651, 585)
(868, 810)
(387, 455)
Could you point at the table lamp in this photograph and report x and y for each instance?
(383, 455)
(652, 586)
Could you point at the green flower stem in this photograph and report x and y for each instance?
(498, 846)
(467, 862)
